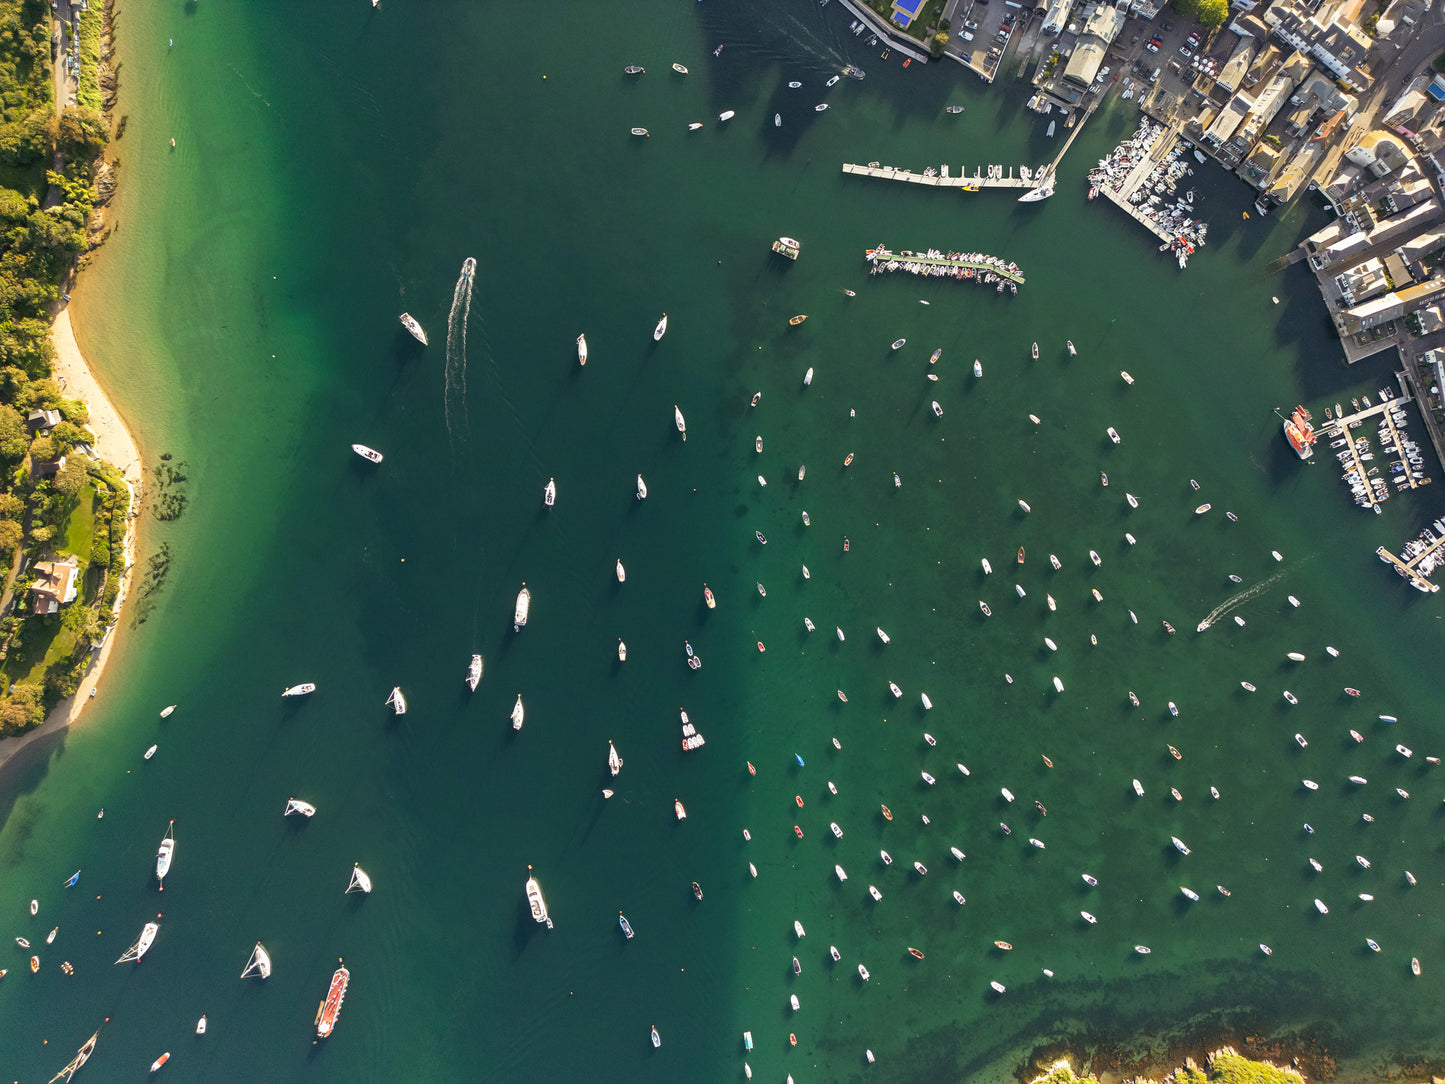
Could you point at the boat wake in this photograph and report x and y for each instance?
(455, 387)
(1236, 601)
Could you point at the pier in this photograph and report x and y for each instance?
(1343, 427)
(1407, 568)
(972, 267)
(1120, 196)
(969, 183)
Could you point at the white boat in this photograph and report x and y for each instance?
(777, 120)
(537, 902)
(656, 1038)
(1133, 500)
(726, 115)
(1025, 505)
(517, 713)
(1090, 919)
(1113, 435)
(679, 421)
(837, 832)
(641, 132)
(165, 854)
(977, 367)
(882, 635)
(927, 703)
(142, 945)
(305, 688)
(793, 1001)
(549, 493)
(582, 349)
(957, 853)
(928, 778)
(296, 805)
(1058, 685)
(694, 126)
(621, 572)
(895, 690)
(840, 873)
(1296, 656)
(1053, 560)
(151, 752)
(1127, 378)
(808, 376)
(937, 410)
(201, 1025)
(360, 881)
(1143, 950)
(679, 68)
(678, 809)
(798, 928)
(1179, 845)
(408, 321)
(259, 963)
(396, 701)
(820, 107)
(523, 608)
(873, 891)
(1320, 906)
(1093, 556)
(641, 488)
(474, 672)
(987, 568)
(367, 453)
(661, 329)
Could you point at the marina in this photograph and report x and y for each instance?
(1357, 457)
(973, 267)
(1140, 177)
(991, 176)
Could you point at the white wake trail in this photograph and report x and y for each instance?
(1235, 601)
(455, 387)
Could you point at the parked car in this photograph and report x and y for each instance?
(969, 24)
(1185, 52)
(1194, 39)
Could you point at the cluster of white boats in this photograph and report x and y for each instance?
(1154, 196)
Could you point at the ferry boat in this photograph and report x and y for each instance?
(330, 1008)
(164, 855)
(518, 713)
(408, 321)
(523, 608)
(582, 349)
(536, 901)
(474, 672)
(296, 805)
(396, 701)
(305, 688)
(370, 454)
(661, 329)
(1299, 433)
(142, 945)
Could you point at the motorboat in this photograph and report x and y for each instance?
(1053, 606)
(820, 107)
(396, 701)
(680, 69)
(1070, 344)
(898, 344)
(886, 857)
(1094, 557)
(1143, 950)
(777, 120)
(679, 421)
(1295, 656)
(656, 1038)
(1090, 919)
(837, 832)
(696, 890)
(536, 901)
(522, 609)
(1179, 845)
(915, 953)
(873, 891)
(1054, 560)
(1320, 906)
(661, 329)
(1290, 697)
(408, 321)
(928, 778)
(726, 115)
(634, 69)
(165, 854)
(808, 377)
(474, 672)
(694, 126)
(156, 1065)
(1127, 378)
(621, 572)
(1133, 500)
(626, 926)
(957, 853)
(1090, 880)
(621, 650)
(937, 410)
(977, 367)
(305, 688)
(1113, 435)
(201, 1025)
(840, 872)
(1035, 351)
(796, 320)
(549, 492)
(296, 805)
(1351, 692)
(150, 752)
(370, 454)
(987, 568)
(1310, 784)
(895, 690)
(678, 809)
(798, 929)
(1173, 709)
(708, 597)
(1025, 505)
(882, 635)
(954, 109)
(921, 869)
(1036, 843)
(1003, 946)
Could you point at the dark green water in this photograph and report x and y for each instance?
(328, 177)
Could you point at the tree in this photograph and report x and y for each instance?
(1213, 13)
(14, 438)
(71, 477)
(42, 450)
(10, 535)
(22, 709)
(938, 44)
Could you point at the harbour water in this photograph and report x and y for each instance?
(244, 310)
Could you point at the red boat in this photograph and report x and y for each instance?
(797, 831)
(1021, 555)
(887, 813)
(155, 1065)
(751, 769)
(1352, 692)
(330, 1009)
(915, 953)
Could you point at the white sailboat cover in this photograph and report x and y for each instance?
(360, 880)
(614, 762)
(517, 713)
(396, 701)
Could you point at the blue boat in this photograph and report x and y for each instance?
(798, 759)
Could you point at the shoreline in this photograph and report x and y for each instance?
(113, 443)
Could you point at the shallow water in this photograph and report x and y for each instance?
(327, 179)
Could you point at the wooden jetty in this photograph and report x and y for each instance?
(979, 179)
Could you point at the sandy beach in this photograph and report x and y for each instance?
(114, 444)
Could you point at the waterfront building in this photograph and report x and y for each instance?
(1339, 48)
(55, 584)
(1102, 28)
(1057, 16)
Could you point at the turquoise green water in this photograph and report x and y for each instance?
(245, 311)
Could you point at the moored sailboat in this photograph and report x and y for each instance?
(474, 672)
(296, 805)
(360, 881)
(142, 944)
(408, 321)
(518, 712)
(259, 963)
(523, 608)
(165, 854)
(396, 701)
(304, 689)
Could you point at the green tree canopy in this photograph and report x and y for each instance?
(1213, 13)
(70, 478)
(14, 439)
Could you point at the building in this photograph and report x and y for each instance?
(1362, 282)
(1338, 48)
(1056, 17)
(1391, 306)
(42, 421)
(1102, 27)
(55, 584)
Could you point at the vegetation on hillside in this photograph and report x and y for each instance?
(1225, 1066)
(48, 162)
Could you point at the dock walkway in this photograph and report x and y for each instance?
(1342, 427)
(945, 180)
(881, 256)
